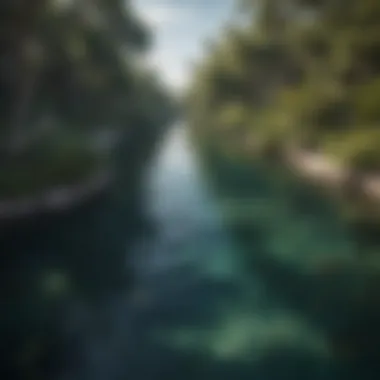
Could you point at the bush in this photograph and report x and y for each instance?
(357, 149)
(232, 115)
(367, 102)
(46, 165)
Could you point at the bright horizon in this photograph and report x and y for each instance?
(180, 28)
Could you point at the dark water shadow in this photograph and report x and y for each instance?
(58, 267)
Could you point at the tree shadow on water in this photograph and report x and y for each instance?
(325, 298)
(49, 265)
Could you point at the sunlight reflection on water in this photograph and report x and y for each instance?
(202, 307)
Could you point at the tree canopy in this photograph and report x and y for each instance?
(72, 67)
(304, 72)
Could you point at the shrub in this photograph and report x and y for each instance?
(358, 149)
(46, 165)
(367, 102)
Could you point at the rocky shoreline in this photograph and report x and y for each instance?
(325, 171)
(55, 199)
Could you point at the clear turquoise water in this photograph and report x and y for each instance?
(222, 278)
(202, 307)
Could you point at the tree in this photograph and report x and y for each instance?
(68, 68)
(307, 67)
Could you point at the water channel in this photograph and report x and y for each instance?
(220, 284)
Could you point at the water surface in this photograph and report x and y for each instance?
(227, 277)
(221, 289)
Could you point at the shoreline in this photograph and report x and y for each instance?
(56, 199)
(325, 171)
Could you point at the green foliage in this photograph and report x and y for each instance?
(367, 102)
(306, 73)
(75, 64)
(357, 149)
(48, 165)
(232, 116)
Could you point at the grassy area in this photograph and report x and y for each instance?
(46, 165)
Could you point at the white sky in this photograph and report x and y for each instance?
(181, 26)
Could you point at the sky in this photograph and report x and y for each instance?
(180, 28)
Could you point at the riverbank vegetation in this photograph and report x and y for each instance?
(77, 101)
(302, 74)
